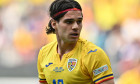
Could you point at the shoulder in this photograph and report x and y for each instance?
(89, 47)
(91, 52)
(48, 46)
(46, 49)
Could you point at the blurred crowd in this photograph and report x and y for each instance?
(114, 25)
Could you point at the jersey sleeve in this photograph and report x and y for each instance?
(40, 70)
(98, 65)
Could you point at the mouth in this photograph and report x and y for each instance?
(74, 35)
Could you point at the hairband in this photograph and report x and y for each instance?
(65, 11)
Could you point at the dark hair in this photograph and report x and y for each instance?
(57, 6)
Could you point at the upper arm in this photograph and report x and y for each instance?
(111, 81)
(41, 75)
(43, 83)
(99, 67)
(102, 71)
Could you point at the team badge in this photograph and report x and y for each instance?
(71, 64)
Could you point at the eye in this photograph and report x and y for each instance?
(79, 21)
(69, 22)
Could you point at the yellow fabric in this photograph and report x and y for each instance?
(53, 70)
(130, 77)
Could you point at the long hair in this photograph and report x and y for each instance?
(57, 6)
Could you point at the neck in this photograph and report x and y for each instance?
(64, 47)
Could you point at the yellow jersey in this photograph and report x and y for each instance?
(85, 64)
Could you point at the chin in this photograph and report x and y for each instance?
(73, 40)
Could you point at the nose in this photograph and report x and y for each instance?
(75, 26)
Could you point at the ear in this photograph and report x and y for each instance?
(53, 23)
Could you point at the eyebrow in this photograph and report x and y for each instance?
(73, 19)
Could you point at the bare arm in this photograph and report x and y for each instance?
(43, 83)
(111, 81)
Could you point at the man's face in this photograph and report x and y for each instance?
(69, 27)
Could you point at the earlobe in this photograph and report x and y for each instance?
(53, 23)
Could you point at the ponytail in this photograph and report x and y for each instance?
(50, 29)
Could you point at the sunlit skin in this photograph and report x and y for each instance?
(71, 23)
(68, 31)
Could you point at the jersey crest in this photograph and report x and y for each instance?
(71, 64)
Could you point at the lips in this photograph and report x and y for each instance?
(74, 34)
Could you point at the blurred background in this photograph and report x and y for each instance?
(114, 25)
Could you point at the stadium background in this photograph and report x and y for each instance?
(114, 25)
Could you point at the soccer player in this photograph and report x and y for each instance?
(70, 59)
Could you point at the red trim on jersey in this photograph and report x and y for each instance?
(104, 80)
(42, 81)
(66, 11)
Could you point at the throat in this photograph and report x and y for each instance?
(64, 49)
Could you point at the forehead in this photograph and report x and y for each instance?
(72, 15)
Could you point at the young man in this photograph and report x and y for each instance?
(70, 59)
